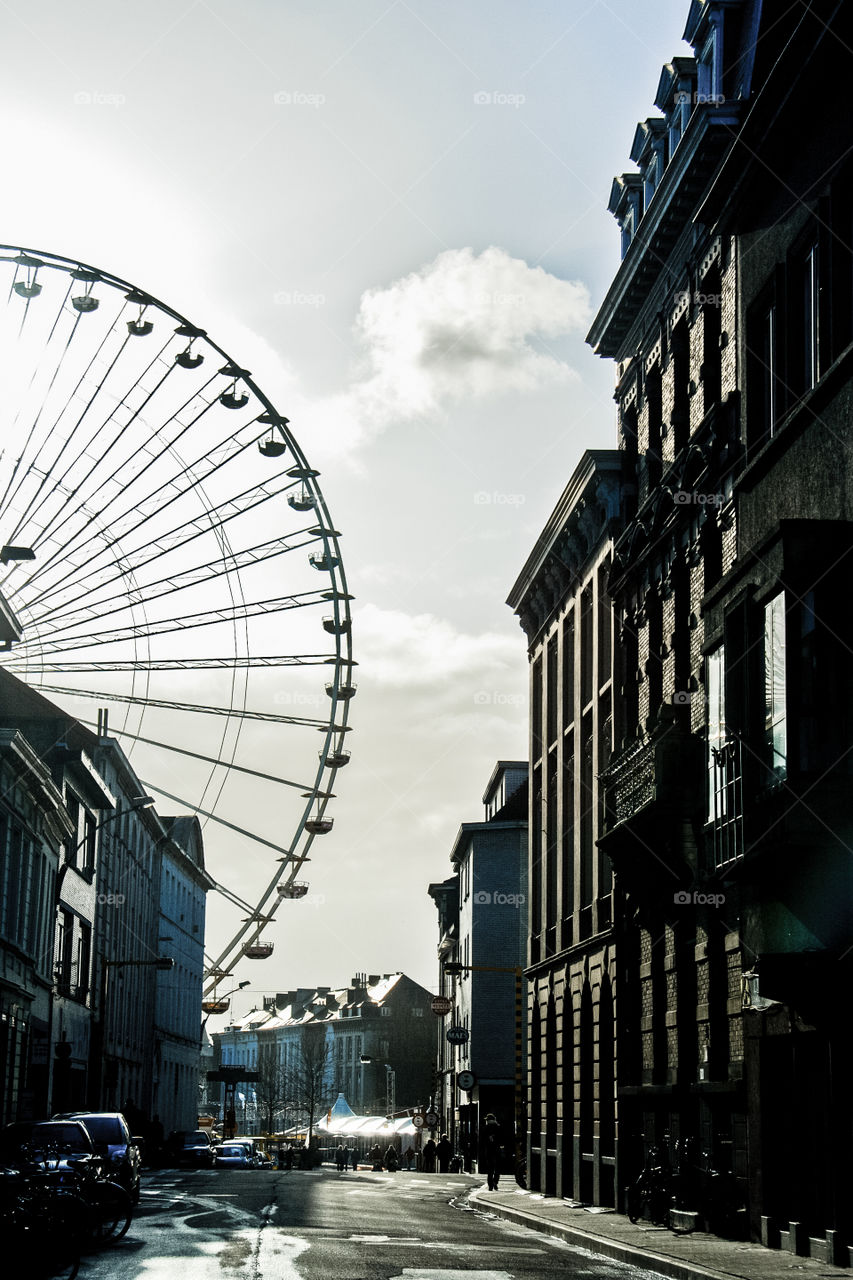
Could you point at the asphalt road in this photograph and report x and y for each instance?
(256, 1225)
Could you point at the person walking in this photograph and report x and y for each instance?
(409, 1157)
(444, 1151)
(490, 1148)
(429, 1155)
(355, 1158)
(341, 1157)
(391, 1158)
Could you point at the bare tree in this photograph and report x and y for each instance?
(308, 1083)
(271, 1088)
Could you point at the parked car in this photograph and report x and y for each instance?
(113, 1140)
(27, 1141)
(233, 1155)
(192, 1147)
(252, 1149)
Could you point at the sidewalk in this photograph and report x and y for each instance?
(696, 1256)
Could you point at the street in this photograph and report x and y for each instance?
(322, 1225)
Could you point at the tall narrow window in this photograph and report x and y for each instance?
(536, 709)
(568, 670)
(811, 367)
(586, 647)
(769, 371)
(775, 713)
(716, 687)
(551, 704)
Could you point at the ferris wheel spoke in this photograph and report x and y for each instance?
(166, 704)
(81, 514)
(31, 435)
(64, 621)
(196, 755)
(167, 626)
(158, 547)
(81, 448)
(100, 543)
(222, 822)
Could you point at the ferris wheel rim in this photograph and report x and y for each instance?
(335, 726)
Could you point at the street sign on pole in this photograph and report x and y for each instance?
(465, 1080)
(418, 1120)
(432, 1119)
(441, 1005)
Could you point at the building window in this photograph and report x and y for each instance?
(768, 338)
(84, 956)
(551, 690)
(715, 684)
(811, 367)
(568, 670)
(775, 714)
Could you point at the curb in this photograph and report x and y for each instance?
(615, 1250)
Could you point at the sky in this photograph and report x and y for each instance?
(394, 213)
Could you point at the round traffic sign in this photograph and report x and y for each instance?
(465, 1081)
(418, 1120)
(441, 1005)
(432, 1119)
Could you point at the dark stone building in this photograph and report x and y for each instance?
(730, 320)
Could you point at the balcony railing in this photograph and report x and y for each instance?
(630, 782)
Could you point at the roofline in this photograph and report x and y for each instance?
(592, 461)
(475, 828)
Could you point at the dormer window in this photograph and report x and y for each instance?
(650, 178)
(627, 231)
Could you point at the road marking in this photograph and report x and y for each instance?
(417, 1273)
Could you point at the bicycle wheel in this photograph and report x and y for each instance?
(47, 1232)
(110, 1211)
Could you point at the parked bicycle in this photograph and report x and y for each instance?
(651, 1195)
(712, 1193)
(60, 1186)
(45, 1232)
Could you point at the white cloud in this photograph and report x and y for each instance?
(408, 650)
(463, 326)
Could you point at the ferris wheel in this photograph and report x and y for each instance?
(169, 557)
